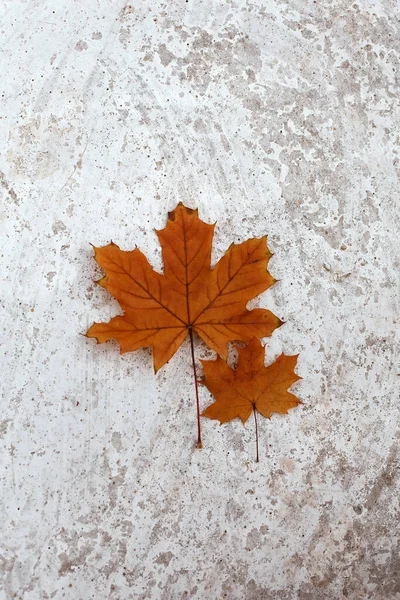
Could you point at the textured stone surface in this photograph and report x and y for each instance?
(270, 117)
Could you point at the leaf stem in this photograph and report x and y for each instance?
(199, 443)
(255, 421)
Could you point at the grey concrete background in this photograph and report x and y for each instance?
(278, 118)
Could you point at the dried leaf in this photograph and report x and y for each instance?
(160, 310)
(252, 387)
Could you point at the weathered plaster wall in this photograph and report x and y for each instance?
(270, 117)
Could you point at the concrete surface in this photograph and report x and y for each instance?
(270, 117)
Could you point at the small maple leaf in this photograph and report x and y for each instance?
(252, 387)
(161, 310)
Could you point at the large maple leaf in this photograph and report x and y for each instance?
(252, 387)
(161, 310)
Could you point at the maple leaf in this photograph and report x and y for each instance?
(161, 310)
(252, 387)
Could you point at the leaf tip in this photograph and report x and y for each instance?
(89, 335)
(156, 365)
(102, 282)
(191, 211)
(172, 215)
(298, 377)
(95, 250)
(205, 411)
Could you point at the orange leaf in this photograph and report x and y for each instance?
(161, 310)
(251, 387)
